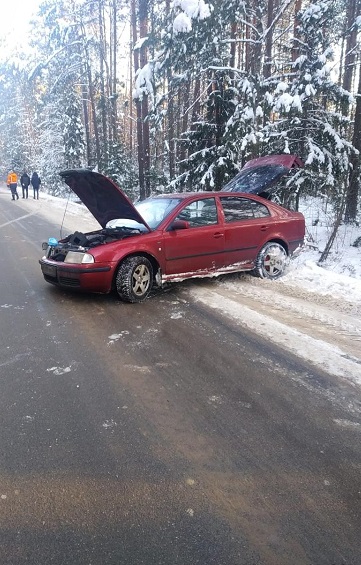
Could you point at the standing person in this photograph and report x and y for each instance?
(12, 183)
(25, 181)
(35, 183)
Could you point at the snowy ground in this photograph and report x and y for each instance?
(313, 312)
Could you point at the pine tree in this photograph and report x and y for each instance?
(11, 138)
(58, 76)
(73, 131)
(305, 105)
(192, 68)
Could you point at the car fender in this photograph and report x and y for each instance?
(276, 238)
(149, 251)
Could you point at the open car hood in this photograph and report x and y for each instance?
(260, 176)
(103, 198)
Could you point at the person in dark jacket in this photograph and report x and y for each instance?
(25, 181)
(35, 183)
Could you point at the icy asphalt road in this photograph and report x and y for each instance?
(170, 432)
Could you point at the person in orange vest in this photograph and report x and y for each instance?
(12, 183)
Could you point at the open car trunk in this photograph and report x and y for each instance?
(261, 176)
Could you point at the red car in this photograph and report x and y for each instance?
(168, 238)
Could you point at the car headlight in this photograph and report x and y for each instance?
(78, 257)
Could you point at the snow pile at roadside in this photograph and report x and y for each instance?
(340, 275)
(307, 274)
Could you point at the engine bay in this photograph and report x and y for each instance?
(78, 241)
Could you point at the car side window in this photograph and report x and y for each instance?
(200, 213)
(259, 210)
(237, 209)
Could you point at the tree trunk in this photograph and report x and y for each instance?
(131, 133)
(86, 124)
(114, 47)
(354, 180)
(140, 59)
(140, 150)
(91, 98)
(296, 38)
(94, 115)
(143, 32)
(253, 36)
(350, 50)
(103, 100)
(269, 40)
(232, 57)
(170, 117)
(85, 102)
(325, 253)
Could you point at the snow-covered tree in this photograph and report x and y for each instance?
(217, 82)
(73, 131)
(306, 107)
(11, 134)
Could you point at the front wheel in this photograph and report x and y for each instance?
(134, 279)
(271, 261)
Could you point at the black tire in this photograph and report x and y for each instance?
(134, 279)
(271, 261)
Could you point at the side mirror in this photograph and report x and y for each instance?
(179, 225)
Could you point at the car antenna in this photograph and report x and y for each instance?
(62, 222)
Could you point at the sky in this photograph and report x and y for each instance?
(14, 17)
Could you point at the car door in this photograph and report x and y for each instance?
(199, 248)
(246, 225)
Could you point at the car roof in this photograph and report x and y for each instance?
(204, 194)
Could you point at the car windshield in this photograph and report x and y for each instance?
(155, 210)
(256, 179)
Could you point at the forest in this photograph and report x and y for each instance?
(166, 96)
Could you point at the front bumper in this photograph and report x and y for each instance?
(85, 277)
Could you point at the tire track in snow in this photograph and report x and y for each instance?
(317, 334)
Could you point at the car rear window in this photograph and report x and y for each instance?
(255, 179)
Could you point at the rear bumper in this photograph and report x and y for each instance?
(298, 250)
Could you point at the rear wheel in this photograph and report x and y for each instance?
(271, 261)
(134, 279)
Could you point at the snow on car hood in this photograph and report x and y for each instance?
(260, 176)
(103, 198)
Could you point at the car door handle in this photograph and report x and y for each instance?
(217, 235)
(264, 228)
